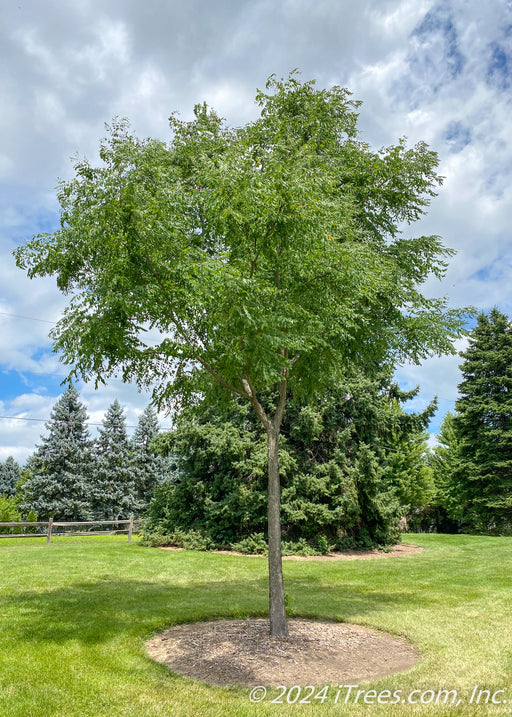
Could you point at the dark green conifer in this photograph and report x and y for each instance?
(482, 475)
(341, 479)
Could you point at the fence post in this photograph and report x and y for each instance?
(49, 533)
(130, 528)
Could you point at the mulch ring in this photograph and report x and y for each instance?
(400, 550)
(242, 652)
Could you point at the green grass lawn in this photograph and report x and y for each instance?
(74, 616)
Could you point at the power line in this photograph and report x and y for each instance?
(28, 318)
(47, 321)
(117, 380)
(46, 420)
(55, 375)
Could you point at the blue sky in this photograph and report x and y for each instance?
(434, 71)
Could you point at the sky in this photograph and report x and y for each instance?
(439, 72)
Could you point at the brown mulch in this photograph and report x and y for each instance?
(242, 652)
(397, 551)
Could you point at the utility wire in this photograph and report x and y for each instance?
(41, 373)
(45, 321)
(87, 423)
(46, 420)
(54, 375)
(29, 318)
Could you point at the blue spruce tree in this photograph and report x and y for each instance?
(148, 469)
(10, 473)
(56, 485)
(112, 483)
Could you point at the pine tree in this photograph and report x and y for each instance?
(337, 480)
(112, 483)
(56, 478)
(148, 469)
(409, 471)
(483, 471)
(447, 509)
(10, 473)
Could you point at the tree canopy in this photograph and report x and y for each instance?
(254, 258)
(271, 247)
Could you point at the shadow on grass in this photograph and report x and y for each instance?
(95, 612)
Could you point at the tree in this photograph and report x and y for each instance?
(147, 468)
(444, 458)
(482, 472)
(55, 483)
(10, 473)
(410, 471)
(268, 256)
(340, 473)
(337, 486)
(112, 482)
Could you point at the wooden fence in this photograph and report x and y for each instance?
(51, 525)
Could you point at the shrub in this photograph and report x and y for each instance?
(9, 512)
(254, 544)
(323, 544)
(187, 539)
(31, 518)
(298, 547)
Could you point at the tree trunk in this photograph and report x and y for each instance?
(277, 608)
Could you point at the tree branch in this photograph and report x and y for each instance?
(260, 411)
(320, 276)
(222, 382)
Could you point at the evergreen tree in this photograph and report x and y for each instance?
(112, 483)
(410, 472)
(26, 476)
(10, 473)
(447, 508)
(483, 471)
(148, 468)
(338, 482)
(55, 484)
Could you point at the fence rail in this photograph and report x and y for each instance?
(51, 524)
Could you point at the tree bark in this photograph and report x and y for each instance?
(277, 608)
